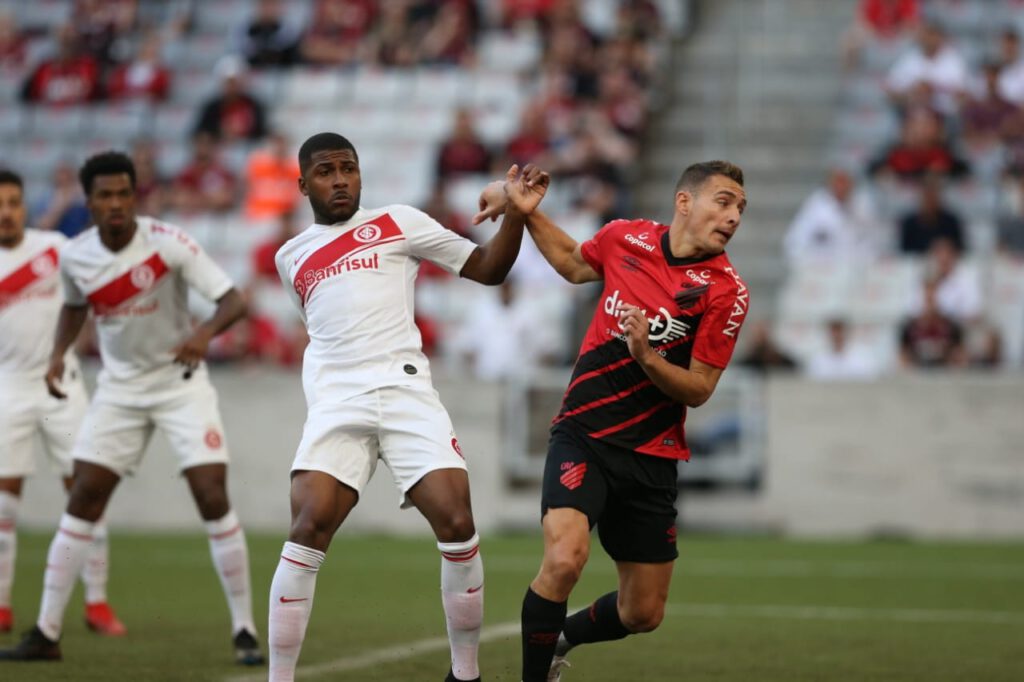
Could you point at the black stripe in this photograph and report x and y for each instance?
(635, 435)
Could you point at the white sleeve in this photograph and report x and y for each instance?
(904, 73)
(281, 261)
(429, 240)
(196, 266)
(73, 296)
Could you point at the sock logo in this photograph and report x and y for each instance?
(474, 590)
(573, 477)
(544, 638)
(286, 600)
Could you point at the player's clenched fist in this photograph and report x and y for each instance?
(54, 377)
(637, 328)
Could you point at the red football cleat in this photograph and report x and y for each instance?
(101, 619)
(6, 619)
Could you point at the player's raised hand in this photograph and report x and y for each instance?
(54, 377)
(525, 190)
(492, 202)
(192, 351)
(637, 328)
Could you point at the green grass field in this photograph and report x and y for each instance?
(740, 609)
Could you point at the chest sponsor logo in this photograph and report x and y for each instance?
(739, 307)
(664, 327)
(341, 255)
(142, 277)
(638, 240)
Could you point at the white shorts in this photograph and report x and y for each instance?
(27, 409)
(406, 426)
(118, 427)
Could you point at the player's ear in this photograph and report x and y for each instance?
(302, 186)
(684, 202)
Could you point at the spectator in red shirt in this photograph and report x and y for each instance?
(513, 11)
(921, 150)
(69, 78)
(234, 114)
(12, 43)
(263, 265)
(337, 28)
(879, 20)
(985, 118)
(205, 185)
(438, 208)
(450, 36)
(462, 152)
(532, 142)
(145, 77)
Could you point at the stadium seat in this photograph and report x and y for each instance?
(41, 15)
(816, 292)
(120, 121)
(880, 293)
(312, 88)
(512, 52)
(440, 88)
(381, 87)
(58, 123)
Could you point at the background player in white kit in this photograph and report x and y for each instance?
(30, 301)
(135, 272)
(368, 388)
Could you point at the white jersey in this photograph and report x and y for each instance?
(353, 285)
(139, 296)
(30, 303)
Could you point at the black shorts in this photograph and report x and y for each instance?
(629, 497)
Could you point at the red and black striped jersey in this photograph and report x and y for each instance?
(695, 308)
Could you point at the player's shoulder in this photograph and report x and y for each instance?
(404, 215)
(623, 225)
(159, 230)
(44, 238)
(731, 282)
(85, 242)
(295, 243)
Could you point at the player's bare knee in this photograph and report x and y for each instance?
(643, 619)
(457, 527)
(212, 501)
(310, 531)
(564, 563)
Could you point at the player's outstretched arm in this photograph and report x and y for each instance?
(69, 325)
(559, 249)
(490, 263)
(231, 307)
(692, 386)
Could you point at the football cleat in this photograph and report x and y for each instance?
(558, 664)
(34, 646)
(102, 620)
(247, 649)
(451, 678)
(6, 619)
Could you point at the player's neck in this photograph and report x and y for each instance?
(120, 239)
(682, 245)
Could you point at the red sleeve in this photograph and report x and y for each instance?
(720, 327)
(592, 250)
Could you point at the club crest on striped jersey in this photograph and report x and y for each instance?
(142, 277)
(365, 234)
(44, 265)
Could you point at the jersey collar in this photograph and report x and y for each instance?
(666, 248)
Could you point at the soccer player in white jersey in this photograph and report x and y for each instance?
(135, 272)
(368, 388)
(29, 304)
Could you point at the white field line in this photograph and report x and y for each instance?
(401, 652)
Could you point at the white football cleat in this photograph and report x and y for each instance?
(558, 664)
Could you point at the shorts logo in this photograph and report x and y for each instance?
(672, 532)
(142, 277)
(367, 233)
(213, 439)
(456, 448)
(573, 476)
(43, 266)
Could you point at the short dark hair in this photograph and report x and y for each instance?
(105, 163)
(9, 177)
(323, 142)
(696, 175)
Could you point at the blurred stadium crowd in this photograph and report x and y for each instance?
(909, 255)
(439, 96)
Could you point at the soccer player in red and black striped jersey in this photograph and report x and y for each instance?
(664, 331)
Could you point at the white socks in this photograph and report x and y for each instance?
(8, 544)
(291, 601)
(462, 593)
(64, 562)
(231, 559)
(97, 561)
